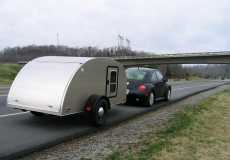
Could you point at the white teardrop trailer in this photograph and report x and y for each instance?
(63, 86)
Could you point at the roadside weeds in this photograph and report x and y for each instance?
(8, 73)
(198, 132)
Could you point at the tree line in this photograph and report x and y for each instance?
(27, 53)
(176, 71)
(208, 71)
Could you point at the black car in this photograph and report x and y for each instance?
(146, 85)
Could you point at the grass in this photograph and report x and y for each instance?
(199, 132)
(8, 72)
(194, 78)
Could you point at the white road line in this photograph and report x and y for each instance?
(13, 114)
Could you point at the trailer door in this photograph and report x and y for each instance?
(112, 81)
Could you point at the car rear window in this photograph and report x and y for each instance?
(136, 74)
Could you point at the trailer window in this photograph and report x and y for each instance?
(113, 78)
(113, 81)
(113, 88)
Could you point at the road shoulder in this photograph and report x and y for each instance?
(103, 143)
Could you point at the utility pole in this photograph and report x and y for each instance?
(58, 42)
(120, 41)
(128, 43)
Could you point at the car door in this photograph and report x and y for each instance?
(155, 83)
(160, 84)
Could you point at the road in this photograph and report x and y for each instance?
(3, 94)
(21, 133)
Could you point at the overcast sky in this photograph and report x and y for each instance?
(151, 25)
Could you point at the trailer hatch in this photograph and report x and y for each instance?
(41, 85)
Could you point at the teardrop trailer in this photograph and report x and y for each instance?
(63, 86)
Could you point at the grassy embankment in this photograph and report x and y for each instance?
(199, 132)
(8, 72)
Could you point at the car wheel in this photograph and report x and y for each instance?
(168, 95)
(151, 99)
(99, 112)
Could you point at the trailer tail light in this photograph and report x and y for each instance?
(88, 108)
(142, 88)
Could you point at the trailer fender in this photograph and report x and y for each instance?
(92, 100)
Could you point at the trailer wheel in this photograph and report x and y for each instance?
(100, 106)
(99, 112)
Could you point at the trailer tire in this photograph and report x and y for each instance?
(100, 106)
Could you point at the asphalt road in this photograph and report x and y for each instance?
(3, 94)
(21, 133)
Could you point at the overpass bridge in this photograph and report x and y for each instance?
(180, 58)
(183, 58)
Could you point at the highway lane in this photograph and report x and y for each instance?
(3, 109)
(4, 90)
(179, 84)
(3, 95)
(22, 133)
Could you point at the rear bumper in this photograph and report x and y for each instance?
(136, 98)
(25, 108)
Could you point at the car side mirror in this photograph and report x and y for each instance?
(165, 79)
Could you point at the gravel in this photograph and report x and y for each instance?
(98, 145)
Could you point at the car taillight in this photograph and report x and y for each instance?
(142, 88)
